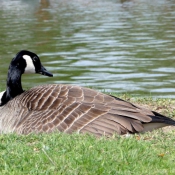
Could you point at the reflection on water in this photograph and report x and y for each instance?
(121, 46)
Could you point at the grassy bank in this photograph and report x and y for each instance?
(150, 153)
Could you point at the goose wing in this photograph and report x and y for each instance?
(69, 108)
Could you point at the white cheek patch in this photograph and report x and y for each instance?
(30, 68)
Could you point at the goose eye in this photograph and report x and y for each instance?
(35, 59)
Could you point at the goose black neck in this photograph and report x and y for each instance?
(14, 86)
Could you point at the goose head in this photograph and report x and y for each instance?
(24, 62)
(28, 62)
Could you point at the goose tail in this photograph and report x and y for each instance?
(161, 118)
(158, 121)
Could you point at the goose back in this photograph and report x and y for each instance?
(69, 108)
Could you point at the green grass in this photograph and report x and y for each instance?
(58, 153)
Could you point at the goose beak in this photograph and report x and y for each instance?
(43, 71)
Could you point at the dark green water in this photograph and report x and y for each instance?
(119, 46)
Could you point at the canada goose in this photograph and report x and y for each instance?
(67, 108)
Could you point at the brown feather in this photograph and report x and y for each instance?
(68, 108)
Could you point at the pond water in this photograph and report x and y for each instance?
(116, 46)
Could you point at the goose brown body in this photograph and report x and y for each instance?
(69, 108)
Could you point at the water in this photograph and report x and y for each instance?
(111, 45)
